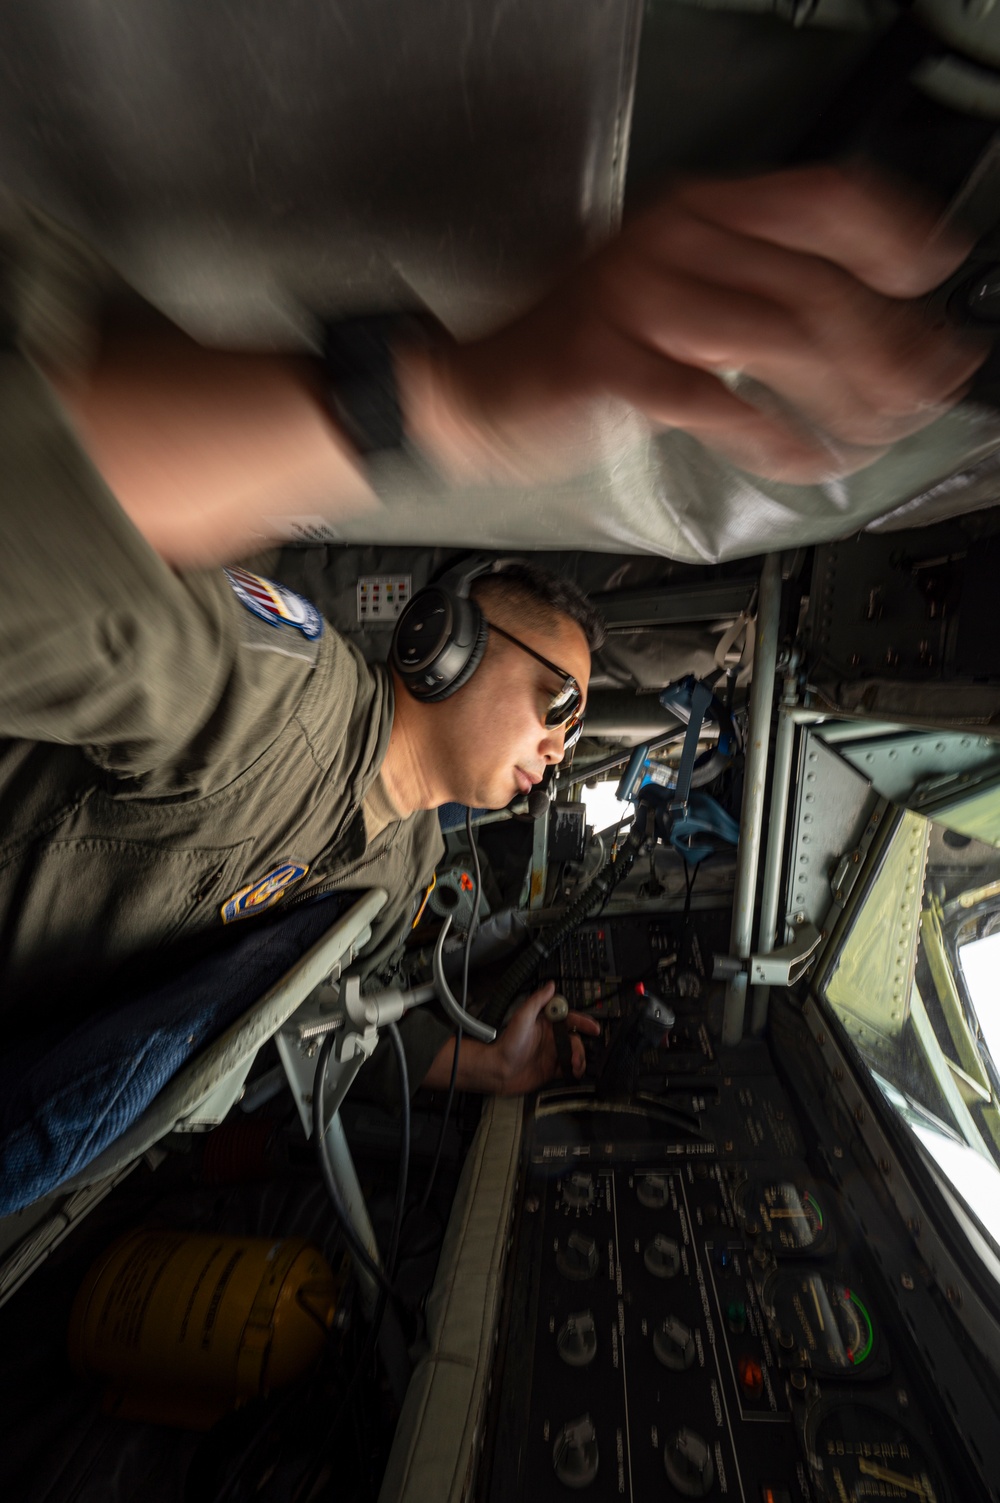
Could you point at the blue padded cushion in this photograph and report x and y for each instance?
(65, 1097)
(452, 817)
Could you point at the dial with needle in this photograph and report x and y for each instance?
(895, 1479)
(819, 1312)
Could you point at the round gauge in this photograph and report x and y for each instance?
(823, 1322)
(786, 1217)
(860, 1454)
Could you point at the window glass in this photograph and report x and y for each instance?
(913, 978)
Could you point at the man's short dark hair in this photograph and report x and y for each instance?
(536, 594)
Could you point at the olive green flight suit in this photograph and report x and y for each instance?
(165, 747)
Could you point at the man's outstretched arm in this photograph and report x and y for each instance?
(806, 286)
(523, 1057)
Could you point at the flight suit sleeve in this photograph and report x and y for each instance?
(423, 1032)
(101, 644)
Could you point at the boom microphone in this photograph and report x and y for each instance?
(543, 793)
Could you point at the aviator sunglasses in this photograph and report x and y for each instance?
(565, 709)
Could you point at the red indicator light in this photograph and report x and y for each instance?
(750, 1376)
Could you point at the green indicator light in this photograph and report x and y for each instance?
(858, 1357)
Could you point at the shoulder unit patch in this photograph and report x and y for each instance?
(264, 893)
(275, 603)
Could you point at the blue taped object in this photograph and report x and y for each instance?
(692, 701)
(676, 697)
(633, 774)
(698, 831)
(701, 700)
(65, 1098)
(701, 828)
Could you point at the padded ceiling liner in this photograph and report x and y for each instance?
(242, 164)
(247, 165)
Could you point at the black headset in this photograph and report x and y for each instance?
(441, 636)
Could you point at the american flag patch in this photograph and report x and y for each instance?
(275, 604)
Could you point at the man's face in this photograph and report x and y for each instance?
(499, 746)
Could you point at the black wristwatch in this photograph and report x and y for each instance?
(360, 378)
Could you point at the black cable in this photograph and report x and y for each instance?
(237, 1469)
(385, 1287)
(473, 925)
(354, 1242)
(690, 876)
(593, 897)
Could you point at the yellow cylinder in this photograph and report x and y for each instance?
(189, 1326)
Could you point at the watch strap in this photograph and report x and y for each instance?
(360, 377)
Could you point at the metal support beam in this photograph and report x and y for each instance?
(622, 713)
(754, 783)
(539, 859)
(767, 934)
(675, 605)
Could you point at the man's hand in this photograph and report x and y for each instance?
(778, 319)
(526, 1050)
(522, 1059)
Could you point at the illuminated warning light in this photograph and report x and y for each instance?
(736, 1316)
(750, 1376)
(467, 883)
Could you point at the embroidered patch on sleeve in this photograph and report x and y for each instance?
(275, 603)
(251, 900)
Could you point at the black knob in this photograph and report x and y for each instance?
(653, 1191)
(578, 1190)
(578, 1259)
(574, 1454)
(673, 1344)
(689, 1464)
(577, 1341)
(662, 1257)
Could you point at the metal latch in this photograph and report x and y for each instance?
(789, 964)
(782, 967)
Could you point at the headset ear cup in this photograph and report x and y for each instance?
(475, 658)
(456, 640)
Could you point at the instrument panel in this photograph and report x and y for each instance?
(691, 1312)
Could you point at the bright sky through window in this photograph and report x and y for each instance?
(603, 808)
